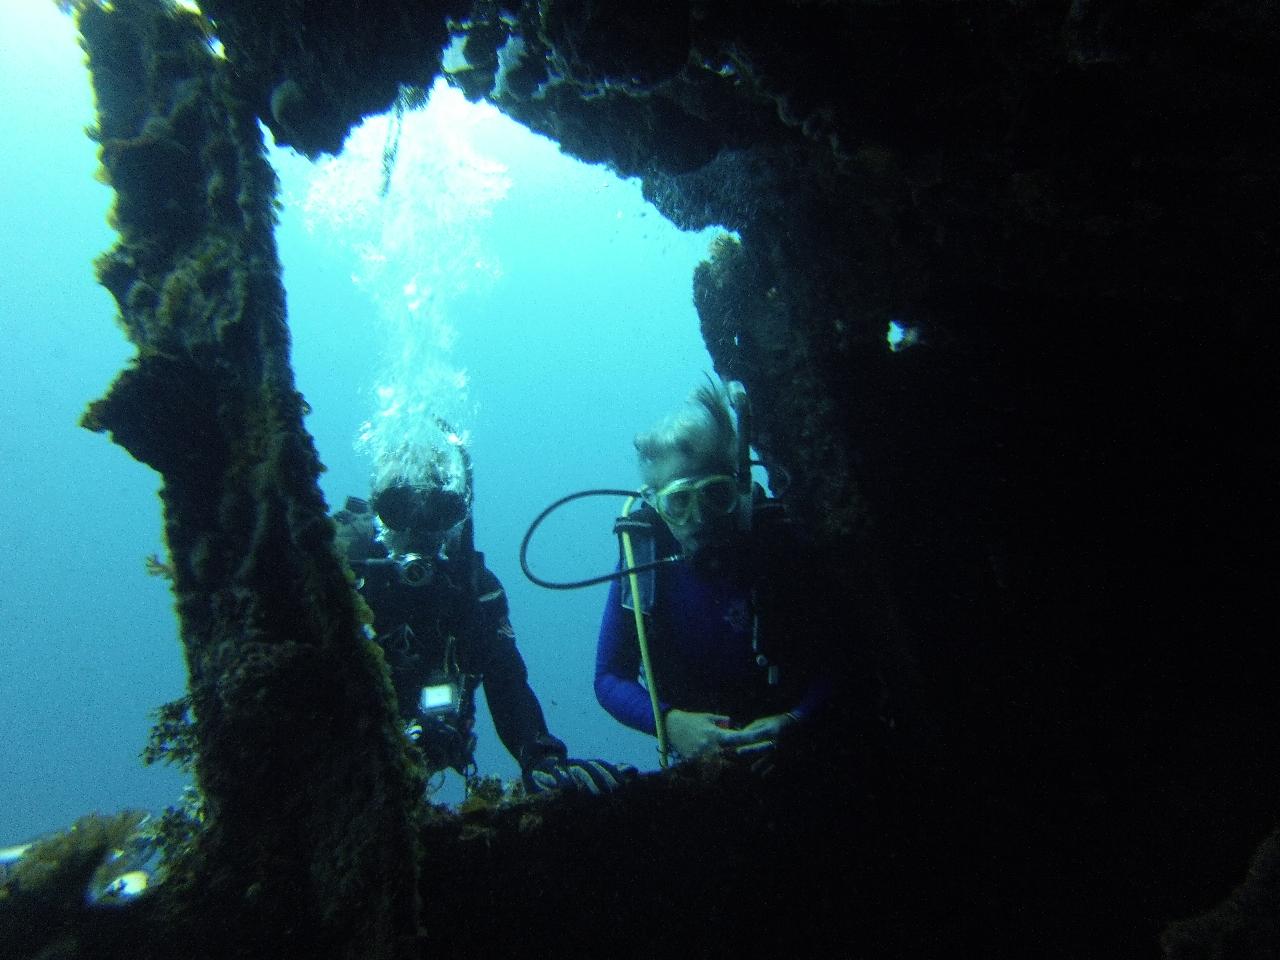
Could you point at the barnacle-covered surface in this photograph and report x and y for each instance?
(1055, 497)
(308, 799)
(293, 57)
(55, 901)
(706, 860)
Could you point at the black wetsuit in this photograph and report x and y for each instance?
(453, 631)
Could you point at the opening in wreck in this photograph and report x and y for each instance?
(451, 263)
(510, 284)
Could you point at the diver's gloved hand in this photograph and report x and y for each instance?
(587, 776)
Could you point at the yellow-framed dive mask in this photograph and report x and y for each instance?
(700, 498)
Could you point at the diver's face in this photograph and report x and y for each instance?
(424, 521)
(696, 502)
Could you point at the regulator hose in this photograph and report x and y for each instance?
(591, 581)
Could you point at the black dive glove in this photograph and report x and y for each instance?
(586, 776)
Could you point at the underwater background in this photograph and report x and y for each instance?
(539, 304)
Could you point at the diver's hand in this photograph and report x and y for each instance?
(583, 776)
(698, 734)
(758, 741)
(766, 729)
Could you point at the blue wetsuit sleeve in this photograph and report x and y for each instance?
(618, 666)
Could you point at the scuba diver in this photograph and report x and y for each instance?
(733, 676)
(440, 616)
(717, 633)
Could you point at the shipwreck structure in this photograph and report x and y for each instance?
(1005, 295)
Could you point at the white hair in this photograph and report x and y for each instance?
(704, 430)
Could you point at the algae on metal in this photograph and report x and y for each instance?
(748, 303)
(309, 800)
(45, 907)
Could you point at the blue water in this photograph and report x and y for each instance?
(538, 302)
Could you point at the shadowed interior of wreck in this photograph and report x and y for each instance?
(1052, 506)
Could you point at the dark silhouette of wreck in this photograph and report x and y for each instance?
(1053, 509)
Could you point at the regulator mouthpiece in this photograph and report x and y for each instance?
(414, 570)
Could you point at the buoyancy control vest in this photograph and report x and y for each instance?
(759, 556)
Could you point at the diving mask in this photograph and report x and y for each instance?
(419, 510)
(689, 498)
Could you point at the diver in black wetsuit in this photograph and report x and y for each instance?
(441, 618)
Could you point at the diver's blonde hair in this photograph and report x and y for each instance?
(703, 430)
